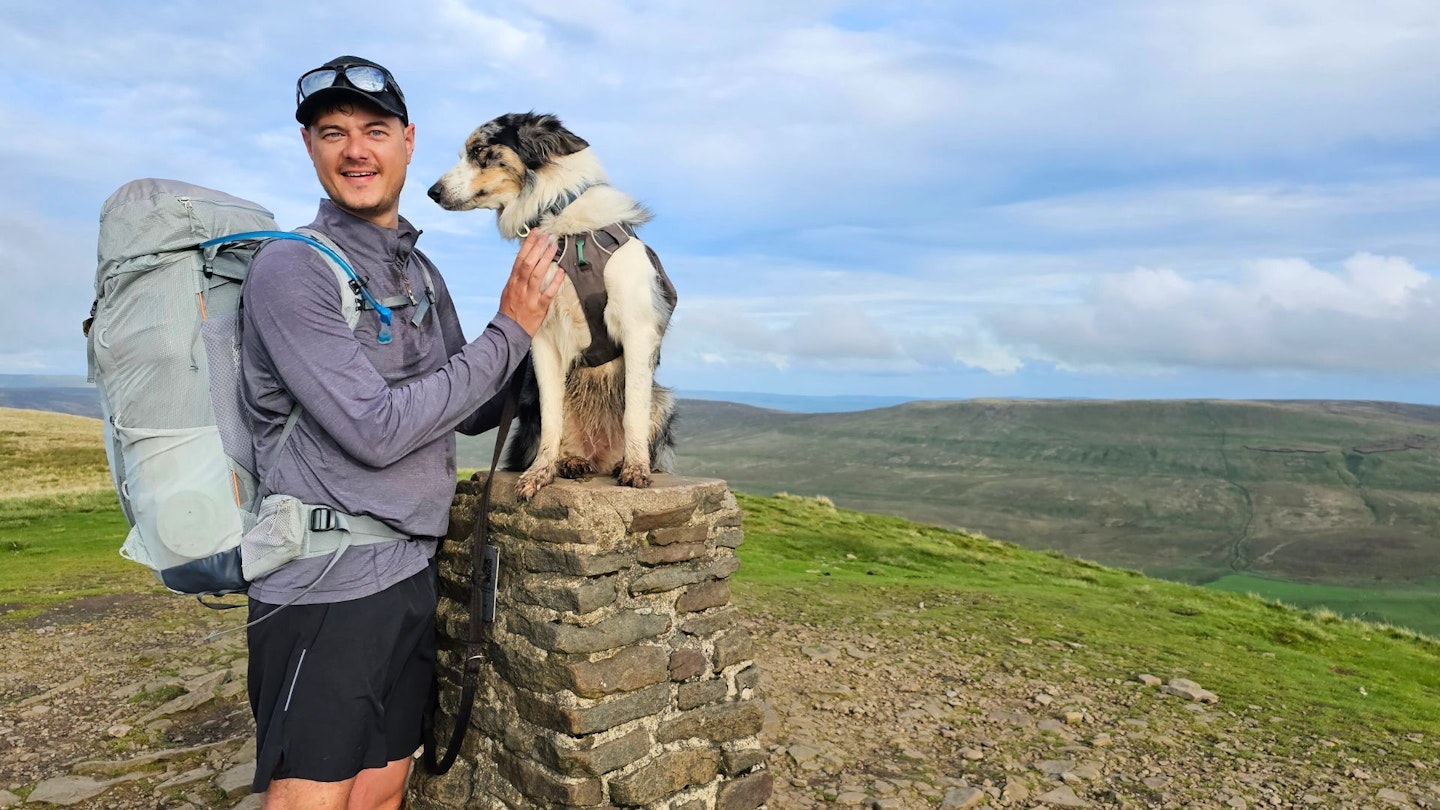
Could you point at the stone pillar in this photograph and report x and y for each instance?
(618, 676)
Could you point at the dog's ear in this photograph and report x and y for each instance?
(542, 137)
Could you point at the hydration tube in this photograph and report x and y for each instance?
(384, 311)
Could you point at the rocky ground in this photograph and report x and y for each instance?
(116, 703)
(904, 714)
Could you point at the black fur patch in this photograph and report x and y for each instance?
(524, 445)
(535, 137)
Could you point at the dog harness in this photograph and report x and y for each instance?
(584, 257)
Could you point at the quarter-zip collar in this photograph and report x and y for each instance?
(369, 246)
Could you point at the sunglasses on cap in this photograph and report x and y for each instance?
(366, 78)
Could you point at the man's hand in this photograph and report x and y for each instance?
(526, 297)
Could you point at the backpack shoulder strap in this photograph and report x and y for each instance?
(352, 293)
(430, 299)
(334, 257)
(350, 300)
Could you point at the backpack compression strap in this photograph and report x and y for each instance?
(355, 283)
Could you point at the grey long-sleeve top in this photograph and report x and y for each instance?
(376, 435)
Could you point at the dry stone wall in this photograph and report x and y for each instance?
(618, 675)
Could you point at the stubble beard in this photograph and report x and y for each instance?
(357, 202)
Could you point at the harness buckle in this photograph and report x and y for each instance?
(322, 519)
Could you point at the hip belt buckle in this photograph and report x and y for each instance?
(322, 519)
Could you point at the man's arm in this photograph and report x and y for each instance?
(293, 307)
(522, 299)
(487, 416)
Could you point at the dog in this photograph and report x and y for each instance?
(577, 416)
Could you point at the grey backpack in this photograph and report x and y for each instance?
(164, 352)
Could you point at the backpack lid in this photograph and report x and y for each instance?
(153, 216)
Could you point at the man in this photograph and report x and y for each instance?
(341, 673)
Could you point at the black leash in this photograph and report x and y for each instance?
(484, 570)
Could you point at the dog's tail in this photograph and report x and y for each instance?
(662, 430)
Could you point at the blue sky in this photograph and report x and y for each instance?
(930, 199)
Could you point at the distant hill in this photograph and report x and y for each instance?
(799, 403)
(43, 381)
(67, 394)
(50, 455)
(77, 401)
(57, 393)
(1338, 497)
(1336, 492)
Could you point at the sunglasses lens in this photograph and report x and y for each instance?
(369, 79)
(316, 80)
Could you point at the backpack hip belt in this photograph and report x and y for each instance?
(327, 530)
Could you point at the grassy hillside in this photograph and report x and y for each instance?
(60, 524)
(1335, 492)
(1198, 490)
(48, 455)
(1317, 676)
(1310, 676)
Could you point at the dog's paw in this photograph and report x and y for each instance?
(533, 480)
(634, 475)
(574, 467)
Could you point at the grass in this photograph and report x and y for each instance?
(810, 562)
(60, 523)
(1416, 607)
(1318, 674)
(56, 549)
(48, 454)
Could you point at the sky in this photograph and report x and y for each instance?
(1159, 198)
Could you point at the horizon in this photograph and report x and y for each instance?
(800, 403)
(1167, 200)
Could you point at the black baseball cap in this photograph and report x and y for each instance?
(352, 78)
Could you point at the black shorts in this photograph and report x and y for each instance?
(338, 688)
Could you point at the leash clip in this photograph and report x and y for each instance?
(475, 658)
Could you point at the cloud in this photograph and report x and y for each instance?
(1373, 315)
(1377, 314)
(48, 298)
(911, 189)
(1176, 79)
(1243, 206)
(830, 333)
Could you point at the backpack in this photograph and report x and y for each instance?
(164, 351)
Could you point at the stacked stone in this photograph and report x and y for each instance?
(618, 675)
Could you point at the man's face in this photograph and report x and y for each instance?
(360, 155)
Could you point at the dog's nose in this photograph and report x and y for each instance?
(435, 192)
